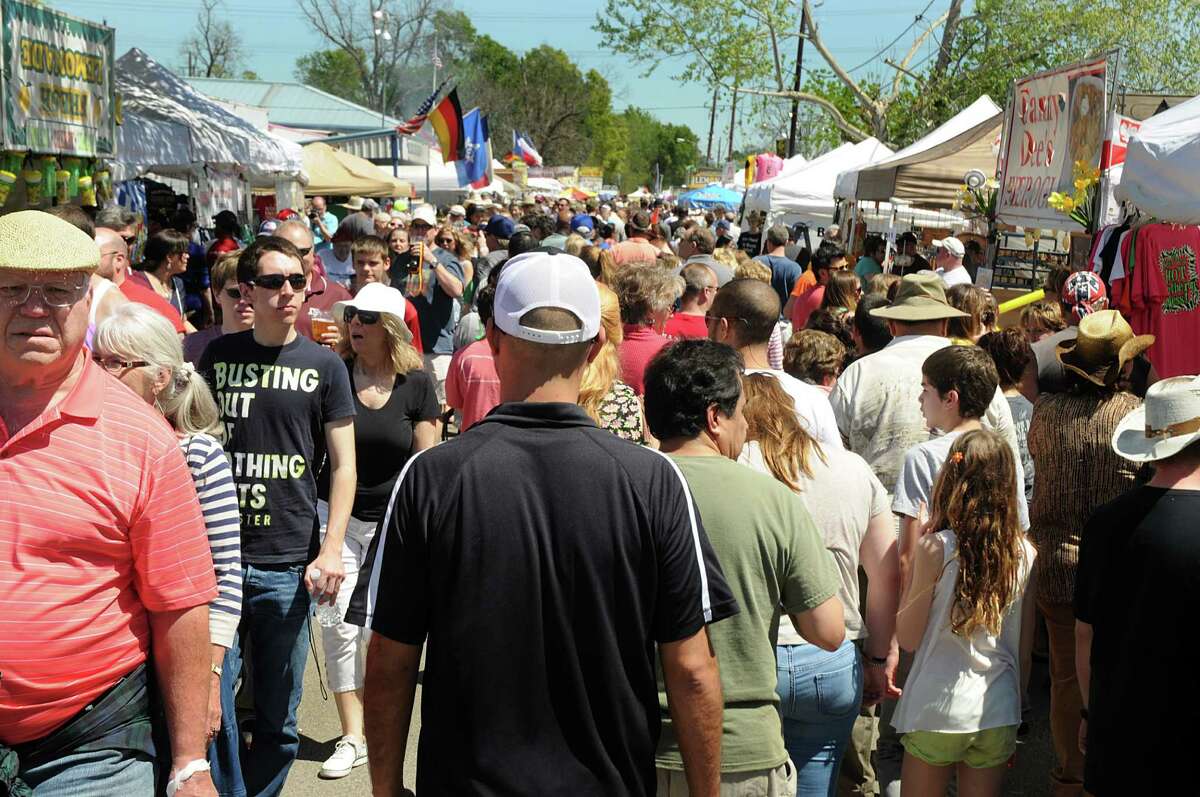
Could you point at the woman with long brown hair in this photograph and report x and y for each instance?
(820, 692)
(842, 292)
(612, 404)
(965, 613)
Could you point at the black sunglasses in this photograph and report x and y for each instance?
(365, 316)
(445, 242)
(274, 282)
(234, 293)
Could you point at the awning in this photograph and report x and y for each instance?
(336, 173)
(930, 171)
(1161, 164)
(811, 189)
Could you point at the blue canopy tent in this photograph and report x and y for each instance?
(710, 196)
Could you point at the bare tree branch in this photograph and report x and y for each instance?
(953, 15)
(213, 49)
(873, 107)
(902, 67)
(839, 120)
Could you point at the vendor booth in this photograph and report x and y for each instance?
(711, 196)
(332, 172)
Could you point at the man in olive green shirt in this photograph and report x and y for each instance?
(768, 546)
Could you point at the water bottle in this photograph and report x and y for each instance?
(328, 614)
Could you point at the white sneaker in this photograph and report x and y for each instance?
(350, 752)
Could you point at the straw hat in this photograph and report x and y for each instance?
(1104, 345)
(921, 297)
(31, 240)
(1166, 423)
(353, 203)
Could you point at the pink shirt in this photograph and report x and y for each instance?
(472, 386)
(806, 305)
(635, 250)
(636, 351)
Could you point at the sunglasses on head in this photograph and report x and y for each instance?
(365, 316)
(274, 282)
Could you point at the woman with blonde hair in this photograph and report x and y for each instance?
(982, 312)
(820, 691)
(601, 264)
(396, 407)
(575, 244)
(141, 348)
(612, 404)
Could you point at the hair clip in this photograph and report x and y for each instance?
(956, 457)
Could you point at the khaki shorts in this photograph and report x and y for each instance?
(438, 366)
(777, 782)
(978, 750)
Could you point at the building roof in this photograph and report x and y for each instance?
(294, 104)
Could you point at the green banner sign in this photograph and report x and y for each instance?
(58, 83)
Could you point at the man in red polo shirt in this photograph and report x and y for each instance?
(114, 266)
(105, 546)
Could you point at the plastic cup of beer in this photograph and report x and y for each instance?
(322, 322)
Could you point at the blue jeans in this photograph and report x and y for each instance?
(275, 610)
(224, 754)
(93, 773)
(820, 694)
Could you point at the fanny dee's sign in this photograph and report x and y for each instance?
(1054, 119)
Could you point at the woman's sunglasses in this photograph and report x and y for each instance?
(365, 316)
(444, 242)
(233, 293)
(274, 282)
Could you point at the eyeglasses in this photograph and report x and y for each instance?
(274, 282)
(63, 293)
(708, 319)
(419, 225)
(444, 242)
(365, 316)
(115, 364)
(233, 293)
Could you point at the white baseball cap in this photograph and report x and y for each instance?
(457, 210)
(534, 280)
(426, 214)
(951, 245)
(375, 297)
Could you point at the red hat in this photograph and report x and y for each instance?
(287, 214)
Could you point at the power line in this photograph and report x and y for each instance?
(894, 41)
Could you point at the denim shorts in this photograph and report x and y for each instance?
(978, 750)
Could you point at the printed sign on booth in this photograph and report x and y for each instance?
(58, 84)
(1054, 119)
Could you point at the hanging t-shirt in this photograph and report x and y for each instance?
(383, 440)
(1162, 297)
(275, 402)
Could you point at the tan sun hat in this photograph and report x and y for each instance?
(353, 203)
(920, 297)
(31, 240)
(1167, 423)
(1104, 345)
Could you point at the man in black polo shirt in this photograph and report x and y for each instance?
(543, 558)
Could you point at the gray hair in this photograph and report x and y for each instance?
(136, 332)
(115, 217)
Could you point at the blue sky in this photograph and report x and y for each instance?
(275, 36)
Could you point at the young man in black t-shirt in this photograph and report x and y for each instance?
(286, 405)
(1135, 602)
(544, 559)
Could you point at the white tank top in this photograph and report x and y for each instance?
(964, 684)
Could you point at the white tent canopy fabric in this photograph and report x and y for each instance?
(808, 192)
(170, 128)
(1161, 165)
(929, 171)
(443, 181)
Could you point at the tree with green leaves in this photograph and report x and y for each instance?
(332, 71)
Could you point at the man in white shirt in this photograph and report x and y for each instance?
(948, 260)
(743, 315)
(876, 399)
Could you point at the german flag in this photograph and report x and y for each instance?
(447, 121)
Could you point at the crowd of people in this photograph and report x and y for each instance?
(656, 504)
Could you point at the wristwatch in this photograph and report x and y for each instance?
(875, 661)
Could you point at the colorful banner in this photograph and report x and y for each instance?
(1054, 120)
(58, 83)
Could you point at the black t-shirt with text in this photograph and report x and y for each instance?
(542, 558)
(383, 440)
(750, 242)
(1138, 585)
(275, 402)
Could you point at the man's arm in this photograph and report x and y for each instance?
(696, 703)
(339, 442)
(452, 285)
(181, 661)
(879, 560)
(390, 688)
(823, 625)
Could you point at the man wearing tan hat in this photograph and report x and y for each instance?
(108, 553)
(1139, 562)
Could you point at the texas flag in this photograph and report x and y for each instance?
(523, 149)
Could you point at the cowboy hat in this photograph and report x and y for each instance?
(1104, 345)
(1165, 424)
(353, 203)
(921, 297)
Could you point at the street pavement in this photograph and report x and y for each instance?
(319, 731)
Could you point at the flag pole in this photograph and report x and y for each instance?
(435, 61)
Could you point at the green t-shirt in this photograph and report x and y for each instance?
(772, 556)
(865, 268)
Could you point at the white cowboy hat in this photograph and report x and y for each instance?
(1166, 423)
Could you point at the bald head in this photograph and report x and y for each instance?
(752, 307)
(298, 234)
(114, 255)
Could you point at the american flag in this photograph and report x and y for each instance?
(411, 127)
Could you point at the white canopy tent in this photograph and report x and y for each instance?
(443, 184)
(546, 185)
(1161, 163)
(928, 172)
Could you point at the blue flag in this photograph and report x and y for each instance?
(473, 166)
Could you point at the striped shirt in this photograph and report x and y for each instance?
(219, 505)
(99, 525)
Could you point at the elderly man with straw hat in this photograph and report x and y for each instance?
(1070, 440)
(104, 541)
(1139, 563)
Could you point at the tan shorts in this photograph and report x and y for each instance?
(437, 366)
(777, 782)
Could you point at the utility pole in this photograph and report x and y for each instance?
(732, 121)
(791, 150)
(712, 122)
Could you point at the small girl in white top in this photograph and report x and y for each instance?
(964, 612)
